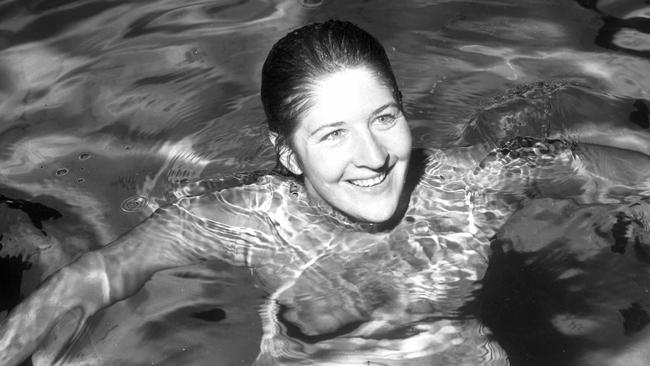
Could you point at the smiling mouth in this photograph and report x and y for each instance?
(371, 182)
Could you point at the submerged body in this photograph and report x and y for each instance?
(369, 252)
(340, 292)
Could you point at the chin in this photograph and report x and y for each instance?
(376, 210)
(377, 215)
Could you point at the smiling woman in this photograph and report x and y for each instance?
(369, 252)
(353, 146)
(336, 119)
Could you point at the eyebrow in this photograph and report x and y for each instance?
(329, 125)
(373, 114)
(385, 106)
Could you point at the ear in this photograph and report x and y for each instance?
(286, 156)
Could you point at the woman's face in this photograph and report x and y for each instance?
(353, 145)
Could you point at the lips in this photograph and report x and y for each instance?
(370, 182)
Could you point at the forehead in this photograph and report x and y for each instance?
(345, 95)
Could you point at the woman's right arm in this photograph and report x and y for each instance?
(174, 236)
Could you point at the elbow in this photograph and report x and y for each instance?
(85, 283)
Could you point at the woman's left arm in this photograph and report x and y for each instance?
(553, 167)
(497, 179)
(192, 230)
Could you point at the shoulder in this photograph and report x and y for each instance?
(453, 160)
(247, 190)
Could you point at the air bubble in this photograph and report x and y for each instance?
(84, 156)
(133, 204)
(81, 180)
(61, 172)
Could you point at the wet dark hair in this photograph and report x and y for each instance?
(298, 61)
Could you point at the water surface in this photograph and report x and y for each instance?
(108, 106)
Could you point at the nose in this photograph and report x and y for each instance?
(370, 152)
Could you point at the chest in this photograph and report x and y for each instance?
(420, 258)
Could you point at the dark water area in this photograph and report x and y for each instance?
(107, 108)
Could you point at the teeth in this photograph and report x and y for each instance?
(369, 182)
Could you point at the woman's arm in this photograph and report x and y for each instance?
(80, 286)
(496, 180)
(559, 168)
(191, 230)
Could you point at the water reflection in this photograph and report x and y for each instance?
(626, 25)
(572, 301)
(153, 94)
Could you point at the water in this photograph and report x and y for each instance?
(107, 107)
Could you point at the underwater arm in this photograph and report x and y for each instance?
(494, 181)
(93, 281)
(554, 167)
(81, 287)
(523, 163)
(529, 168)
(174, 236)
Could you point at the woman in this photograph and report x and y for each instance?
(368, 251)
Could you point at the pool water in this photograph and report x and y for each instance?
(109, 108)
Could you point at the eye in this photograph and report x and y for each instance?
(333, 136)
(386, 120)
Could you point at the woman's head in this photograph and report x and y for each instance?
(335, 116)
(304, 56)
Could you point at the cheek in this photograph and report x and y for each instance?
(324, 166)
(407, 141)
(400, 141)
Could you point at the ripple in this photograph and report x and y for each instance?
(134, 204)
(310, 3)
(175, 20)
